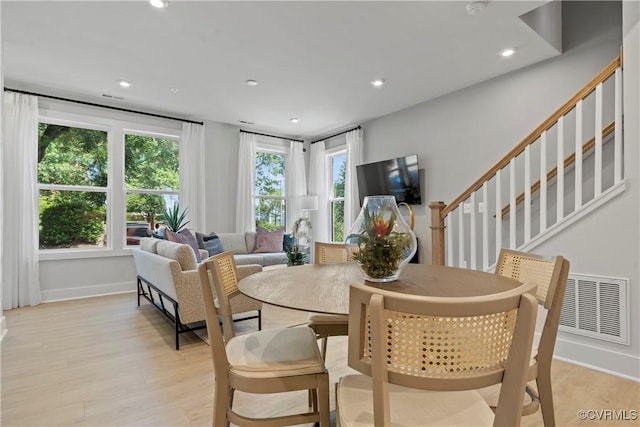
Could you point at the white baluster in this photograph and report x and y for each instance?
(543, 182)
(617, 136)
(461, 260)
(449, 228)
(598, 143)
(498, 212)
(512, 203)
(473, 230)
(527, 193)
(485, 227)
(578, 164)
(560, 169)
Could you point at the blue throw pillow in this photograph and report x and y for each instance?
(210, 242)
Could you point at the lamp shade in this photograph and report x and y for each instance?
(309, 203)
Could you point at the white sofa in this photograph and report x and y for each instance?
(168, 278)
(243, 244)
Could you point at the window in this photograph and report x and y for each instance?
(337, 172)
(151, 181)
(72, 186)
(269, 193)
(102, 181)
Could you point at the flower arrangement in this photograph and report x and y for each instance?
(379, 248)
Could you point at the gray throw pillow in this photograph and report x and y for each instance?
(210, 242)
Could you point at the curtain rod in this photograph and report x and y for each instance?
(270, 136)
(337, 134)
(91, 104)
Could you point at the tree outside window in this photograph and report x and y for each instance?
(152, 182)
(338, 164)
(270, 194)
(72, 183)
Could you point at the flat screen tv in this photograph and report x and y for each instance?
(397, 177)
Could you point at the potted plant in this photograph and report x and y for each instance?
(174, 218)
(295, 256)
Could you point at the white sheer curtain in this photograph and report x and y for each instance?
(245, 209)
(318, 187)
(192, 175)
(20, 276)
(295, 181)
(354, 158)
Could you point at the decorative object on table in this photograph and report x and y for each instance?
(380, 241)
(174, 218)
(301, 230)
(295, 256)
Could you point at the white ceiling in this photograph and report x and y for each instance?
(313, 59)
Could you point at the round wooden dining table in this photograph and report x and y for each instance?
(324, 288)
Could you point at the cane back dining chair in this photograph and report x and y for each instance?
(550, 275)
(423, 357)
(267, 361)
(326, 325)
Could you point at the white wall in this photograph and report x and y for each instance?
(461, 135)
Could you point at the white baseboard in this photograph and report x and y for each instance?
(3, 327)
(599, 359)
(87, 291)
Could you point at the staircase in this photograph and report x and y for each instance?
(564, 169)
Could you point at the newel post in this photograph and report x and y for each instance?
(437, 233)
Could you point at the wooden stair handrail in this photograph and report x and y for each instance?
(607, 72)
(571, 158)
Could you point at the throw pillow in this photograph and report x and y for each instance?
(268, 241)
(288, 242)
(185, 236)
(210, 242)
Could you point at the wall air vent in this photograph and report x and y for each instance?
(596, 307)
(106, 95)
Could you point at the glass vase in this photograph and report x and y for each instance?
(380, 241)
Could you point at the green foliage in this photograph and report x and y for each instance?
(337, 207)
(377, 248)
(295, 257)
(174, 218)
(70, 221)
(146, 206)
(77, 156)
(270, 213)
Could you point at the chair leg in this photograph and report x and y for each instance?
(259, 320)
(324, 347)
(323, 400)
(546, 398)
(220, 405)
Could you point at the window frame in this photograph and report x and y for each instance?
(116, 125)
(269, 147)
(330, 155)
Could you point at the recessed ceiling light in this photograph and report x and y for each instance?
(174, 90)
(507, 52)
(252, 83)
(124, 83)
(294, 120)
(377, 82)
(160, 4)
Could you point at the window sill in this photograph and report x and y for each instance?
(62, 254)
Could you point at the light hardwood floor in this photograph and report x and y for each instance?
(106, 362)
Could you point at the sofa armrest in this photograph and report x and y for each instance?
(190, 297)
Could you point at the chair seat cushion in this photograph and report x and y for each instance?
(410, 407)
(278, 352)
